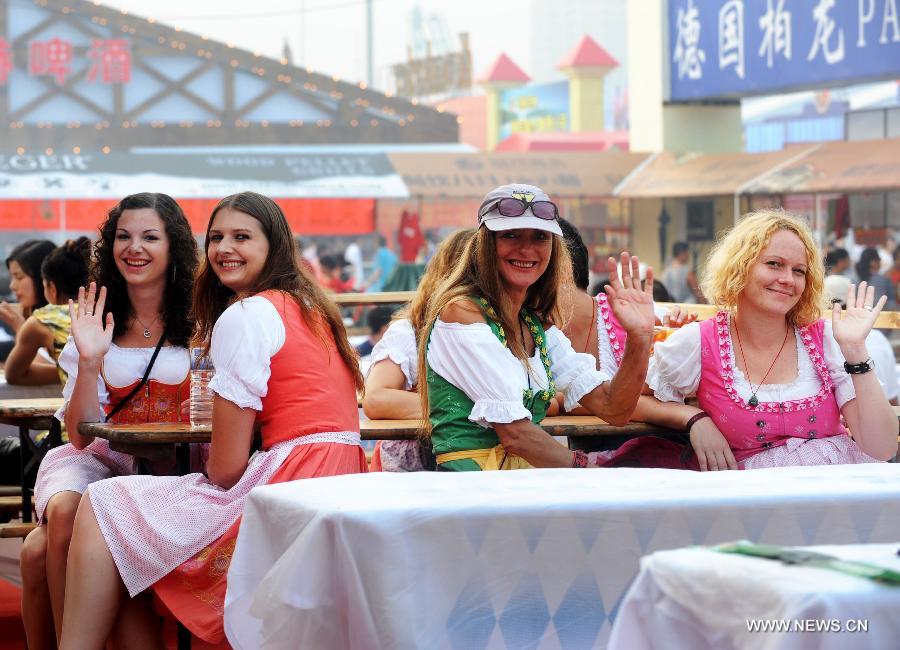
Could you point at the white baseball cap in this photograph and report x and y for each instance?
(490, 217)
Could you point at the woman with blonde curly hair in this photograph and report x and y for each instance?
(772, 378)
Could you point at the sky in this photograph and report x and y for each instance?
(329, 35)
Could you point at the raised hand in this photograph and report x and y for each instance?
(632, 305)
(92, 337)
(678, 317)
(859, 317)
(11, 314)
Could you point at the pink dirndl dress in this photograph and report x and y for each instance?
(805, 431)
(67, 469)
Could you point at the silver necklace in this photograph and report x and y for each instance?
(146, 329)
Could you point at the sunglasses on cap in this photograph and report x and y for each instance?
(514, 207)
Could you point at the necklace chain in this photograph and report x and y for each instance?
(754, 401)
(146, 331)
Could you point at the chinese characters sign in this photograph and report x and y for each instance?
(110, 60)
(730, 48)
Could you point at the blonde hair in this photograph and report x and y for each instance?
(448, 252)
(729, 263)
(477, 273)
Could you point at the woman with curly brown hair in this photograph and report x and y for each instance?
(282, 361)
(144, 265)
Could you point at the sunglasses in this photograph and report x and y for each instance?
(513, 207)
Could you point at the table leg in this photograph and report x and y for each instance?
(183, 458)
(24, 440)
(183, 637)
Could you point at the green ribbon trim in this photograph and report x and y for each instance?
(802, 557)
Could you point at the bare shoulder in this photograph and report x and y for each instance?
(462, 311)
(33, 332)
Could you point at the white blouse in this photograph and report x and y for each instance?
(245, 338)
(124, 366)
(674, 372)
(398, 345)
(474, 360)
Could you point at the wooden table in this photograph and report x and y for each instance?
(34, 414)
(144, 440)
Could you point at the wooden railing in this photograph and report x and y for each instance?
(886, 319)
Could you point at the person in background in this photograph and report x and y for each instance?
(868, 271)
(409, 238)
(354, 258)
(24, 264)
(333, 274)
(63, 271)
(679, 277)
(385, 263)
(836, 289)
(393, 374)
(837, 262)
(378, 320)
(774, 381)
(144, 263)
(282, 361)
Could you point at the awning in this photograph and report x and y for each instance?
(199, 175)
(847, 167)
(566, 141)
(474, 175)
(670, 175)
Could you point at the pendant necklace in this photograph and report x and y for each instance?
(146, 329)
(754, 401)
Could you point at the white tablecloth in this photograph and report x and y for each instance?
(537, 558)
(697, 599)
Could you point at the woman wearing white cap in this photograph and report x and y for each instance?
(494, 357)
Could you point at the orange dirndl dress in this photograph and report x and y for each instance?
(305, 376)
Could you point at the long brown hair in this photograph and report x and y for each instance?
(280, 272)
(448, 253)
(478, 273)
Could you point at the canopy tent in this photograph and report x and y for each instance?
(471, 176)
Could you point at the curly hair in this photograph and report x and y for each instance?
(179, 290)
(729, 263)
(281, 273)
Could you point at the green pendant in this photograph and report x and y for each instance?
(753, 401)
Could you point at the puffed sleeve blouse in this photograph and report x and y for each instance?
(474, 360)
(399, 345)
(245, 338)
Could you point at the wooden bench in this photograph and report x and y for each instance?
(16, 529)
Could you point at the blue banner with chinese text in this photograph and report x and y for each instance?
(731, 48)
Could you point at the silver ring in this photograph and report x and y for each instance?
(867, 307)
(90, 313)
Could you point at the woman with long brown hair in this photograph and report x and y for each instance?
(280, 352)
(494, 355)
(393, 374)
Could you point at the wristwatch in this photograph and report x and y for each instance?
(859, 368)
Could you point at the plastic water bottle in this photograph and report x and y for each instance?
(201, 396)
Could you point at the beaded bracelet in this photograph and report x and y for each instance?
(694, 419)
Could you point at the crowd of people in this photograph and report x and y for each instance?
(501, 333)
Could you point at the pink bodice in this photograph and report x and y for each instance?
(614, 330)
(750, 430)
